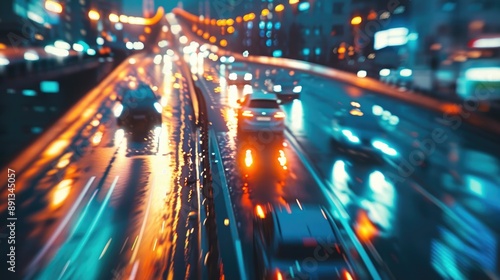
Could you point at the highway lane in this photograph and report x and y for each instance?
(432, 219)
(108, 205)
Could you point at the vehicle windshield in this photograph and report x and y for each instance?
(140, 95)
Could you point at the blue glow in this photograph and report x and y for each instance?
(29, 92)
(317, 51)
(306, 51)
(268, 34)
(269, 42)
(269, 25)
(250, 24)
(49, 86)
(262, 25)
(262, 33)
(304, 6)
(277, 25)
(277, 53)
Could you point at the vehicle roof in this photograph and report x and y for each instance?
(308, 222)
(262, 95)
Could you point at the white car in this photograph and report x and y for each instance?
(260, 111)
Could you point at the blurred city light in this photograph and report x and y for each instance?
(361, 74)
(78, 47)
(390, 37)
(118, 26)
(114, 18)
(405, 72)
(292, 2)
(304, 6)
(31, 55)
(486, 43)
(4, 61)
(138, 45)
(94, 15)
(385, 72)
(62, 45)
(356, 20)
(56, 51)
(129, 45)
(183, 39)
(264, 12)
(99, 41)
(53, 6)
(35, 17)
(279, 8)
(91, 52)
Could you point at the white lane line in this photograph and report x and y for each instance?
(146, 215)
(357, 244)
(60, 228)
(89, 232)
(133, 274)
(227, 202)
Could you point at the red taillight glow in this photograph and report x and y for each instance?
(347, 275)
(279, 115)
(259, 212)
(248, 158)
(247, 114)
(279, 276)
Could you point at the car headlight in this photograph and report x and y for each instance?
(117, 111)
(230, 59)
(247, 77)
(350, 136)
(233, 76)
(297, 89)
(223, 59)
(158, 107)
(277, 88)
(384, 148)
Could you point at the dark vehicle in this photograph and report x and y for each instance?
(284, 84)
(138, 110)
(287, 236)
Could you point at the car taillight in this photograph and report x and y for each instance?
(248, 158)
(346, 275)
(279, 115)
(279, 276)
(247, 114)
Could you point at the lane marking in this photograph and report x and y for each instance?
(146, 215)
(105, 248)
(357, 244)
(60, 228)
(133, 274)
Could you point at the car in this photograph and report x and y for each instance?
(239, 77)
(287, 239)
(138, 109)
(260, 111)
(360, 134)
(286, 87)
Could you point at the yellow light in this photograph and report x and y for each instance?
(124, 18)
(356, 20)
(293, 2)
(199, 32)
(213, 21)
(252, 16)
(341, 50)
(230, 30)
(212, 39)
(223, 43)
(147, 29)
(238, 19)
(248, 158)
(3, 46)
(230, 21)
(279, 8)
(114, 18)
(259, 212)
(355, 104)
(356, 112)
(264, 12)
(57, 147)
(61, 192)
(94, 15)
(53, 6)
(206, 35)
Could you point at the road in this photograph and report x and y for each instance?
(99, 204)
(419, 220)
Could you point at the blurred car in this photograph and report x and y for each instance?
(260, 111)
(138, 108)
(285, 237)
(284, 85)
(239, 77)
(358, 133)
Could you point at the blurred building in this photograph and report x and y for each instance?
(26, 22)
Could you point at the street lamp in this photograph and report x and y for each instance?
(114, 18)
(356, 20)
(279, 8)
(94, 15)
